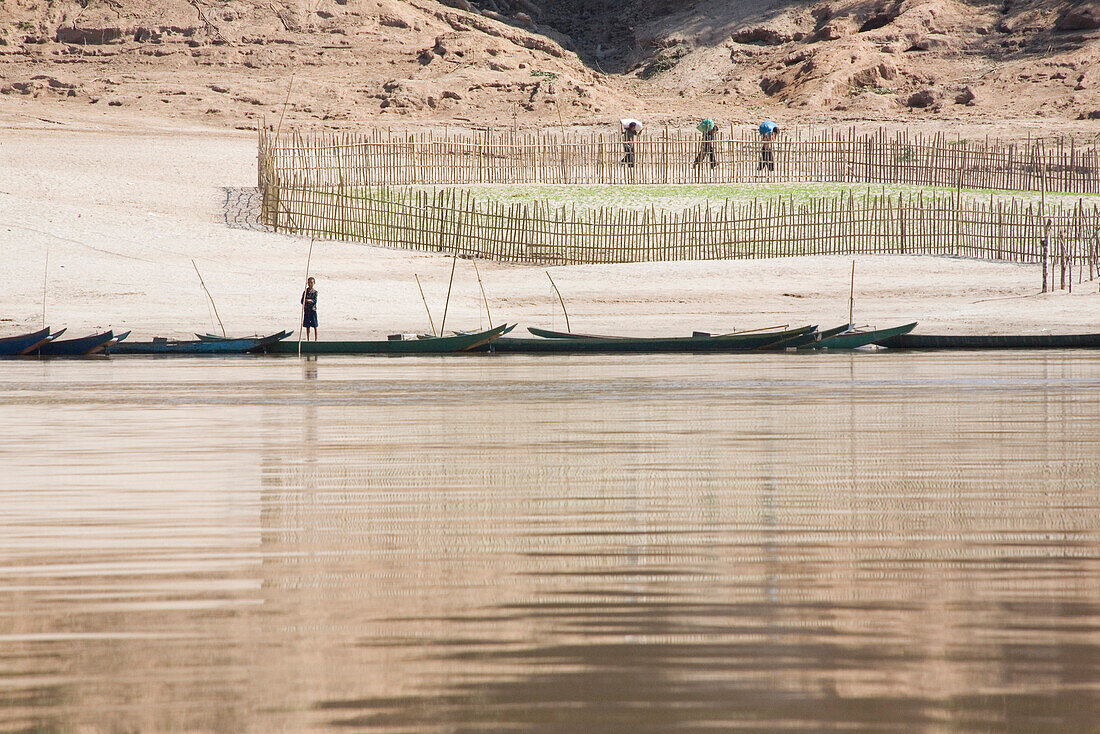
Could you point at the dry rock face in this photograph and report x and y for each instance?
(350, 59)
(540, 61)
(900, 57)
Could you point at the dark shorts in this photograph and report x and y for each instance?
(309, 320)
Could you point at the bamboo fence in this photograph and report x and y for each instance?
(321, 159)
(453, 221)
(365, 188)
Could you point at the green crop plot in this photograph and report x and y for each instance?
(676, 198)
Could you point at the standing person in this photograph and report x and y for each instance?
(768, 131)
(309, 309)
(631, 129)
(706, 150)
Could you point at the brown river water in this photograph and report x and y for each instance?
(828, 542)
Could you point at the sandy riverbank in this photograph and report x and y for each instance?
(122, 211)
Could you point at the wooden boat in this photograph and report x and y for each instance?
(622, 345)
(160, 345)
(802, 340)
(993, 341)
(118, 338)
(77, 347)
(464, 342)
(548, 334)
(12, 346)
(856, 339)
(216, 338)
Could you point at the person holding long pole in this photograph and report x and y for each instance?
(309, 309)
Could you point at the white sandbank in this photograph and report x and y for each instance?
(122, 212)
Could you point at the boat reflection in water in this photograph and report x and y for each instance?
(761, 542)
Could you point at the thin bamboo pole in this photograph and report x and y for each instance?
(447, 303)
(45, 275)
(425, 300)
(562, 301)
(196, 267)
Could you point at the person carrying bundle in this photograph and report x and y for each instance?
(631, 129)
(706, 149)
(768, 131)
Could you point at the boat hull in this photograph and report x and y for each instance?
(215, 338)
(1007, 341)
(801, 340)
(549, 334)
(857, 339)
(626, 345)
(432, 345)
(12, 346)
(74, 347)
(196, 347)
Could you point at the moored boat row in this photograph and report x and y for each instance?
(44, 343)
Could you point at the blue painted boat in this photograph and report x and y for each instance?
(75, 347)
(461, 342)
(161, 345)
(12, 346)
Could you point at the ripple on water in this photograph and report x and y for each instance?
(875, 542)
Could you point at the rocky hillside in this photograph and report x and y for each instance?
(501, 62)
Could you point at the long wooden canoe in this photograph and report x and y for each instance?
(856, 339)
(118, 338)
(801, 340)
(549, 334)
(74, 347)
(12, 346)
(993, 341)
(428, 345)
(622, 345)
(196, 347)
(215, 338)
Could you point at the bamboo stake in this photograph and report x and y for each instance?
(560, 299)
(45, 273)
(219, 318)
(446, 305)
(852, 297)
(285, 102)
(425, 300)
(483, 298)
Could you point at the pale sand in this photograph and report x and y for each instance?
(123, 212)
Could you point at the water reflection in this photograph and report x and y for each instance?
(877, 542)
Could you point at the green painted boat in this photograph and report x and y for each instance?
(992, 341)
(626, 345)
(427, 345)
(802, 340)
(215, 338)
(221, 347)
(856, 339)
(549, 334)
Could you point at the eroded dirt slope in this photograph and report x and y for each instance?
(500, 62)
